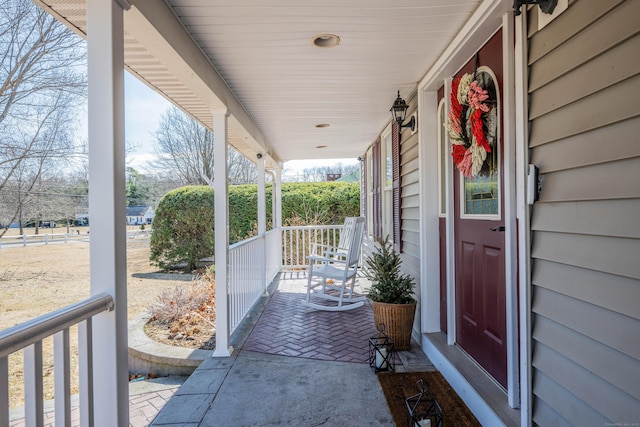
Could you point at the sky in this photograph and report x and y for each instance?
(143, 110)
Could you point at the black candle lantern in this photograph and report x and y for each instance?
(424, 410)
(381, 352)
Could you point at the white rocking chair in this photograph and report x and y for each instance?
(339, 265)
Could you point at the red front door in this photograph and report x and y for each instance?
(479, 237)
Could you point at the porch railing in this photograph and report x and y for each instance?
(298, 241)
(252, 266)
(28, 336)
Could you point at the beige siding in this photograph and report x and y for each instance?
(409, 193)
(584, 86)
(587, 149)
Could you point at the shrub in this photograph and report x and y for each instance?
(317, 203)
(187, 310)
(183, 229)
(320, 203)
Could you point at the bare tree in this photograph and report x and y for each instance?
(186, 151)
(42, 81)
(241, 169)
(185, 148)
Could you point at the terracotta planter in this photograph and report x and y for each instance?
(398, 322)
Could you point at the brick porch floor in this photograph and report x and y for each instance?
(289, 328)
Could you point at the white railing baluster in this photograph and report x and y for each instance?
(33, 402)
(85, 367)
(291, 263)
(4, 391)
(62, 378)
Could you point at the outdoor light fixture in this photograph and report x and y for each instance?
(381, 352)
(547, 6)
(399, 112)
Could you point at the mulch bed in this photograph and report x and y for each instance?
(399, 386)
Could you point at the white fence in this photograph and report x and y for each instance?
(247, 277)
(45, 239)
(29, 336)
(297, 243)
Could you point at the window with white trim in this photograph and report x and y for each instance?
(369, 178)
(387, 184)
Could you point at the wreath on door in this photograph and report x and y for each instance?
(472, 121)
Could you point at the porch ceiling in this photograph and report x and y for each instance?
(257, 59)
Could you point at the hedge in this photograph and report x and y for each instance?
(183, 227)
(183, 223)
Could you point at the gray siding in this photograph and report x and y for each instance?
(584, 87)
(409, 196)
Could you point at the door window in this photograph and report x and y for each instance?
(481, 194)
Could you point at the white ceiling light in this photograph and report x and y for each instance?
(326, 40)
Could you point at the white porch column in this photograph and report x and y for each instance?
(262, 205)
(262, 220)
(277, 199)
(221, 224)
(429, 156)
(277, 208)
(108, 267)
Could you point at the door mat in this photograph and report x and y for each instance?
(398, 386)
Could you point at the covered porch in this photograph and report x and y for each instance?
(292, 95)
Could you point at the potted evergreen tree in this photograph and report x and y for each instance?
(391, 294)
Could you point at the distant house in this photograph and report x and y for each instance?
(138, 215)
(82, 219)
(350, 177)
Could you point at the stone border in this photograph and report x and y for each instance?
(147, 355)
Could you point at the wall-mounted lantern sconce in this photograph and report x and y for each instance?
(399, 112)
(547, 6)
